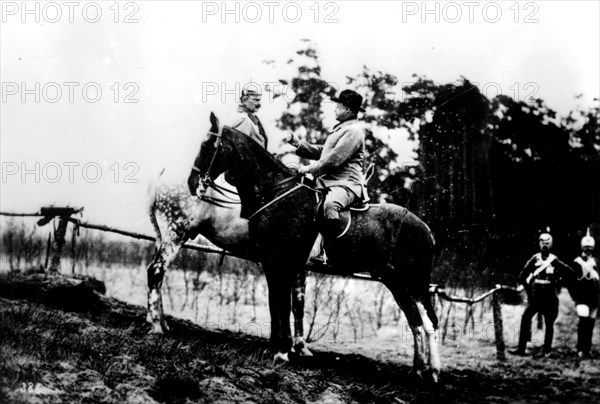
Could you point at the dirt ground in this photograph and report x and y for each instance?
(63, 341)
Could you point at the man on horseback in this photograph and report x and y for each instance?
(339, 162)
(543, 276)
(387, 241)
(246, 120)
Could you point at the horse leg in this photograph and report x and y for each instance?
(163, 256)
(298, 293)
(409, 306)
(280, 288)
(430, 323)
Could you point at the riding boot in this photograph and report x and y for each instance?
(590, 334)
(581, 331)
(548, 338)
(523, 339)
(520, 351)
(527, 335)
(585, 331)
(317, 255)
(332, 228)
(524, 332)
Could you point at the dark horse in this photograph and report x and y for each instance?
(177, 216)
(388, 241)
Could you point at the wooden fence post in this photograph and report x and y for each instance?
(48, 245)
(58, 243)
(498, 327)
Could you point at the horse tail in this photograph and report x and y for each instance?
(152, 196)
(428, 260)
(430, 311)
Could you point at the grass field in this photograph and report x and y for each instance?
(64, 342)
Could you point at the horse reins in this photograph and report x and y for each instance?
(208, 182)
(287, 193)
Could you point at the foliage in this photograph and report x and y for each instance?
(309, 91)
(488, 174)
(24, 246)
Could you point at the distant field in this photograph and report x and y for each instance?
(73, 344)
(344, 313)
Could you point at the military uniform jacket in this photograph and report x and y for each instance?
(340, 159)
(249, 124)
(586, 288)
(554, 273)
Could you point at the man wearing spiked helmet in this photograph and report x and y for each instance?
(543, 276)
(586, 294)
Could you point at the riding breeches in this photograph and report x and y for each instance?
(337, 198)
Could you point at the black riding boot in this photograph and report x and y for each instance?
(585, 331)
(548, 337)
(333, 227)
(524, 336)
(581, 332)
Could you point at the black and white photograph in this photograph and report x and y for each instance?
(299, 201)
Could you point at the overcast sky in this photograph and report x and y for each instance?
(174, 62)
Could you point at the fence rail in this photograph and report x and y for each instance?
(64, 216)
(140, 236)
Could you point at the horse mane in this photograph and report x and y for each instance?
(260, 150)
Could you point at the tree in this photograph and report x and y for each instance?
(383, 126)
(454, 143)
(304, 114)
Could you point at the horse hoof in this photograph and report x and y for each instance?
(305, 352)
(159, 329)
(281, 357)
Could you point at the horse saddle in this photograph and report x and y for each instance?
(338, 228)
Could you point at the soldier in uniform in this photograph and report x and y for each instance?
(543, 276)
(339, 161)
(586, 294)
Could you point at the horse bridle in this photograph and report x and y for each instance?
(207, 182)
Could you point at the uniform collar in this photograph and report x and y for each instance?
(242, 109)
(345, 123)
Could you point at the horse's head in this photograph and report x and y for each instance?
(209, 163)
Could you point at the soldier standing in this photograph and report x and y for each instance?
(586, 294)
(543, 276)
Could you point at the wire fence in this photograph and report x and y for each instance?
(64, 216)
